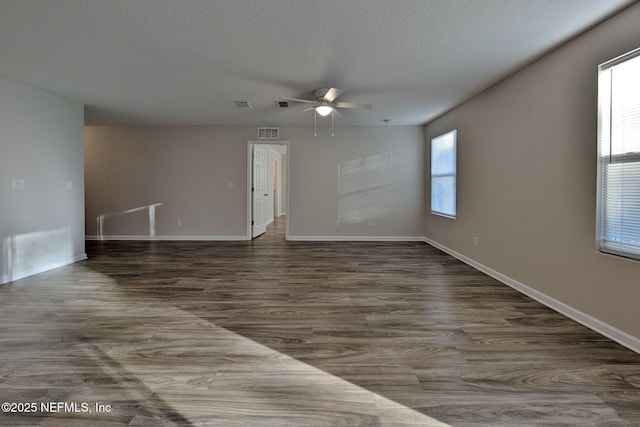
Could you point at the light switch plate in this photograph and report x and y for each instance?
(18, 184)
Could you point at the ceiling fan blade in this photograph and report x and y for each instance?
(298, 100)
(337, 114)
(331, 94)
(307, 109)
(354, 105)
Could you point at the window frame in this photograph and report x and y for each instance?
(604, 127)
(454, 174)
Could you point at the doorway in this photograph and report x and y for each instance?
(267, 187)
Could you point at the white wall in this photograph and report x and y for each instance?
(41, 226)
(527, 183)
(283, 185)
(188, 168)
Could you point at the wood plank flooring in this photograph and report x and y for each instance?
(275, 333)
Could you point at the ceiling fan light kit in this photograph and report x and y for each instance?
(324, 110)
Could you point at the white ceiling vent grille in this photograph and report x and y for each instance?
(268, 133)
(243, 104)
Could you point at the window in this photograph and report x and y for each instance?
(618, 216)
(443, 174)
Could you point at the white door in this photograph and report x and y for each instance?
(259, 191)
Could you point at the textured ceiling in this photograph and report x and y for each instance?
(186, 62)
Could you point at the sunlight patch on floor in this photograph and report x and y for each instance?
(203, 373)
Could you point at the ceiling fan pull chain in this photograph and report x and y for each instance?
(315, 123)
(332, 122)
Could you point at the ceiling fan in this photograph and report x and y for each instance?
(325, 103)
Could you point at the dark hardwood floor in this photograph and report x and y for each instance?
(275, 333)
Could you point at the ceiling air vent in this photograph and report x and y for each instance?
(282, 103)
(268, 133)
(243, 104)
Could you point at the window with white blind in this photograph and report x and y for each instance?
(618, 216)
(443, 174)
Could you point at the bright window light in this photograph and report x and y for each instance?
(443, 174)
(618, 215)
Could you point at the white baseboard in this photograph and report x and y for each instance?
(357, 238)
(299, 238)
(617, 335)
(169, 238)
(17, 275)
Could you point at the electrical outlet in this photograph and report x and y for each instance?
(69, 185)
(179, 223)
(229, 184)
(337, 223)
(369, 222)
(475, 241)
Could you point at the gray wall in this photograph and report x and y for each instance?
(527, 182)
(394, 204)
(41, 226)
(187, 169)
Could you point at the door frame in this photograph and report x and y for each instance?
(250, 144)
(276, 189)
